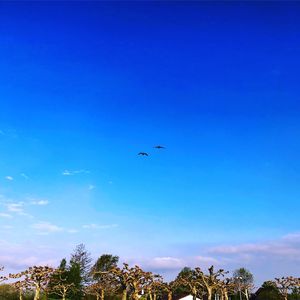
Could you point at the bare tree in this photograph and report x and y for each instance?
(61, 287)
(209, 281)
(226, 287)
(104, 282)
(169, 288)
(122, 278)
(2, 278)
(243, 279)
(138, 280)
(285, 284)
(21, 286)
(36, 277)
(153, 285)
(96, 289)
(192, 282)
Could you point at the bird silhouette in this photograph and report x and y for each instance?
(159, 147)
(143, 154)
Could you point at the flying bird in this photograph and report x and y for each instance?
(159, 147)
(143, 154)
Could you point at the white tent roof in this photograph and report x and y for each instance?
(188, 297)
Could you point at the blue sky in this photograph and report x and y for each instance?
(84, 87)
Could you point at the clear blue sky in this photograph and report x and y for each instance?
(84, 87)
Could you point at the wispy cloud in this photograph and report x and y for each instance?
(206, 260)
(72, 230)
(287, 246)
(39, 202)
(7, 227)
(74, 172)
(24, 176)
(17, 208)
(10, 178)
(96, 226)
(17, 257)
(5, 215)
(91, 187)
(166, 263)
(46, 228)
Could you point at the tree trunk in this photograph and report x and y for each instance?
(97, 297)
(124, 295)
(102, 295)
(37, 293)
(64, 294)
(226, 295)
(154, 296)
(247, 294)
(135, 295)
(194, 293)
(170, 295)
(20, 294)
(209, 293)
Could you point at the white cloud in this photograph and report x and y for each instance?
(91, 187)
(72, 230)
(96, 226)
(46, 228)
(10, 178)
(166, 263)
(74, 172)
(6, 227)
(19, 256)
(292, 236)
(39, 202)
(5, 215)
(66, 173)
(15, 207)
(24, 175)
(206, 260)
(271, 248)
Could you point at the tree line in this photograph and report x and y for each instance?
(105, 280)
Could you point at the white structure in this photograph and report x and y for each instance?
(188, 297)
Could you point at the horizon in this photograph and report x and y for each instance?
(85, 87)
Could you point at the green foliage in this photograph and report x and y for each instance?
(181, 290)
(245, 276)
(186, 272)
(75, 276)
(268, 291)
(8, 292)
(295, 295)
(78, 271)
(103, 264)
(70, 273)
(82, 258)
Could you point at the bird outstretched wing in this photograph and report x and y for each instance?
(143, 154)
